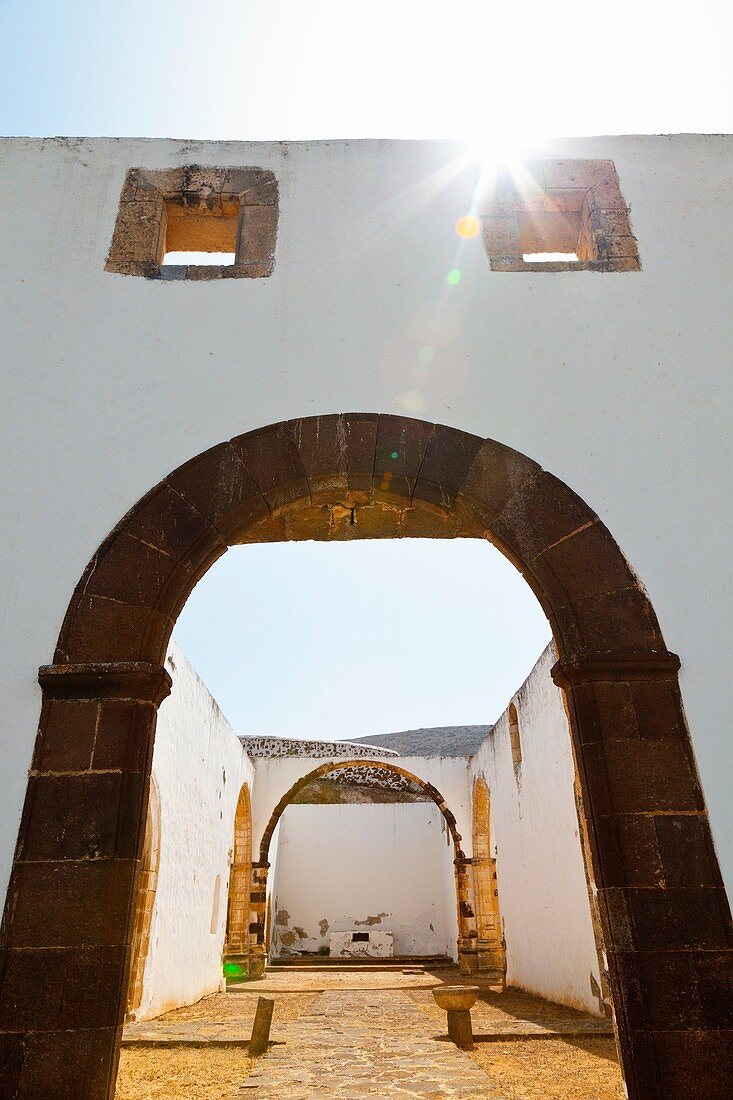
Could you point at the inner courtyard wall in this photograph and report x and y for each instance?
(379, 867)
(616, 383)
(543, 895)
(199, 767)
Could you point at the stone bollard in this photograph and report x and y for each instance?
(458, 1000)
(261, 1026)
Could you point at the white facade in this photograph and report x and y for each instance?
(543, 895)
(618, 384)
(386, 867)
(199, 767)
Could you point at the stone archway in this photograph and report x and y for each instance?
(490, 938)
(68, 918)
(464, 911)
(237, 943)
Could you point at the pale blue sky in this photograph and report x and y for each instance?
(288, 69)
(352, 640)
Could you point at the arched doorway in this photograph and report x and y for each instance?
(464, 911)
(236, 946)
(490, 938)
(145, 901)
(664, 911)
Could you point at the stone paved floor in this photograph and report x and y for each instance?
(357, 1044)
(375, 1032)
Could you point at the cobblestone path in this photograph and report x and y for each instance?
(352, 1045)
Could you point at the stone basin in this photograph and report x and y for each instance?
(454, 998)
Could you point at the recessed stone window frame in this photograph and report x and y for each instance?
(570, 206)
(234, 209)
(515, 740)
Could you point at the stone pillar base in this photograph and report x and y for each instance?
(459, 1028)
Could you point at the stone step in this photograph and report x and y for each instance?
(322, 962)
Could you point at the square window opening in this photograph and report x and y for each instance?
(360, 937)
(558, 215)
(197, 223)
(549, 236)
(201, 235)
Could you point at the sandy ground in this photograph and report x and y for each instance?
(181, 1072)
(201, 1073)
(552, 1069)
(241, 1006)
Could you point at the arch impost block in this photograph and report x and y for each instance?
(581, 670)
(140, 681)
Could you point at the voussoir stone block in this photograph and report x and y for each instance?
(219, 486)
(272, 459)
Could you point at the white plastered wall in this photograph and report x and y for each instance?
(619, 384)
(543, 895)
(199, 767)
(379, 867)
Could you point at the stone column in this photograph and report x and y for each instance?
(258, 909)
(489, 941)
(65, 976)
(665, 917)
(467, 958)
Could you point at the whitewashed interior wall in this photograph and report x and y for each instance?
(543, 896)
(199, 766)
(379, 866)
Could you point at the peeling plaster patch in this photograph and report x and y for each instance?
(287, 939)
(301, 932)
(323, 926)
(282, 917)
(372, 920)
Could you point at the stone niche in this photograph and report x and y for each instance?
(195, 209)
(358, 943)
